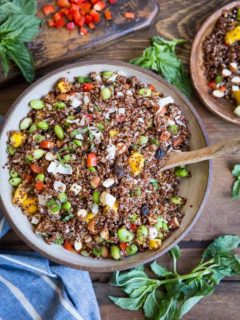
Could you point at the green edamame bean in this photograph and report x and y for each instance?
(59, 132)
(40, 177)
(96, 197)
(132, 249)
(11, 150)
(82, 79)
(62, 197)
(159, 224)
(59, 105)
(32, 128)
(77, 143)
(176, 200)
(106, 93)
(15, 181)
(134, 217)
(29, 157)
(142, 232)
(53, 206)
(173, 128)
(13, 174)
(143, 140)
(43, 125)
(165, 226)
(25, 123)
(107, 74)
(218, 79)
(38, 138)
(38, 153)
(37, 104)
(181, 172)
(124, 235)
(67, 158)
(146, 92)
(67, 206)
(115, 253)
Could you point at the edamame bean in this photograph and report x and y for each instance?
(67, 158)
(14, 174)
(37, 104)
(159, 224)
(11, 150)
(132, 249)
(165, 226)
(62, 197)
(67, 206)
(107, 74)
(142, 232)
(38, 138)
(106, 93)
(143, 140)
(29, 157)
(176, 200)
(146, 92)
(181, 172)
(40, 177)
(38, 153)
(15, 181)
(32, 128)
(59, 105)
(173, 128)
(82, 79)
(218, 79)
(53, 206)
(25, 123)
(96, 197)
(43, 125)
(124, 235)
(59, 132)
(115, 253)
(77, 143)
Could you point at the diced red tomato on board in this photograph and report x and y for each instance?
(48, 9)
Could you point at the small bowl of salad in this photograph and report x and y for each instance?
(82, 154)
(215, 62)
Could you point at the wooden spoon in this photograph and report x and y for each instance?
(176, 159)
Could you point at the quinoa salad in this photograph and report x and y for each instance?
(85, 165)
(221, 51)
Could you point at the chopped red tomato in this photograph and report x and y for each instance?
(94, 1)
(129, 15)
(108, 14)
(46, 144)
(39, 185)
(70, 26)
(91, 25)
(57, 16)
(133, 227)
(63, 3)
(88, 19)
(151, 86)
(222, 88)
(85, 6)
(35, 168)
(75, 14)
(80, 21)
(91, 160)
(48, 9)
(89, 117)
(59, 23)
(123, 246)
(87, 86)
(68, 246)
(95, 16)
(51, 23)
(212, 84)
(68, 14)
(99, 6)
(112, 1)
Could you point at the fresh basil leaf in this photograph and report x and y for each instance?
(236, 170)
(175, 252)
(151, 306)
(221, 244)
(236, 190)
(129, 303)
(18, 52)
(4, 60)
(160, 270)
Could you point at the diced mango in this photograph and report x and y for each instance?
(136, 163)
(30, 205)
(88, 217)
(17, 139)
(232, 36)
(155, 244)
(20, 195)
(114, 208)
(113, 133)
(236, 95)
(63, 86)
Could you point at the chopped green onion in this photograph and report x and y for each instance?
(37, 104)
(77, 143)
(176, 200)
(43, 125)
(40, 177)
(92, 169)
(218, 79)
(32, 128)
(11, 150)
(62, 197)
(82, 79)
(67, 206)
(59, 105)
(14, 174)
(173, 128)
(15, 181)
(96, 197)
(181, 172)
(146, 92)
(38, 138)
(59, 132)
(143, 140)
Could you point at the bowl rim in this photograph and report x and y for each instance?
(155, 254)
(212, 19)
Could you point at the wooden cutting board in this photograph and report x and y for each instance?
(55, 46)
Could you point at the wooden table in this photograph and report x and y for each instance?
(177, 18)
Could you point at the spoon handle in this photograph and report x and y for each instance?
(182, 158)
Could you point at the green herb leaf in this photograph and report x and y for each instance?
(189, 304)
(236, 190)
(129, 303)
(151, 306)
(160, 270)
(175, 252)
(4, 60)
(221, 244)
(236, 170)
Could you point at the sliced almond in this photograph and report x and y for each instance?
(226, 73)
(236, 80)
(77, 245)
(95, 182)
(218, 94)
(91, 227)
(104, 234)
(233, 66)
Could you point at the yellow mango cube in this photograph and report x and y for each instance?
(63, 86)
(17, 139)
(113, 133)
(236, 95)
(136, 163)
(88, 217)
(232, 36)
(30, 205)
(155, 244)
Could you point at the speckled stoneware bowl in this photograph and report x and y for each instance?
(195, 188)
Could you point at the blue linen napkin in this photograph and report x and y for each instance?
(31, 287)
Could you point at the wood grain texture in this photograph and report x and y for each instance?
(53, 46)
(177, 18)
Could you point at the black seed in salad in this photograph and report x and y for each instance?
(85, 175)
(160, 154)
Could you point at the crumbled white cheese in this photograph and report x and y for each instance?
(79, 136)
(235, 88)
(111, 152)
(121, 111)
(165, 101)
(34, 220)
(152, 233)
(95, 208)
(226, 73)
(98, 77)
(110, 110)
(77, 245)
(108, 182)
(107, 199)
(120, 94)
(76, 100)
(56, 167)
(236, 80)
(218, 94)
(112, 78)
(50, 156)
(86, 99)
(59, 186)
(129, 92)
(82, 213)
(141, 120)
(96, 133)
(42, 200)
(82, 122)
(75, 188)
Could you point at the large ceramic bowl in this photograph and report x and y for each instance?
(195, 188)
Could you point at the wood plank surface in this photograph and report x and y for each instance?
(177, 18)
